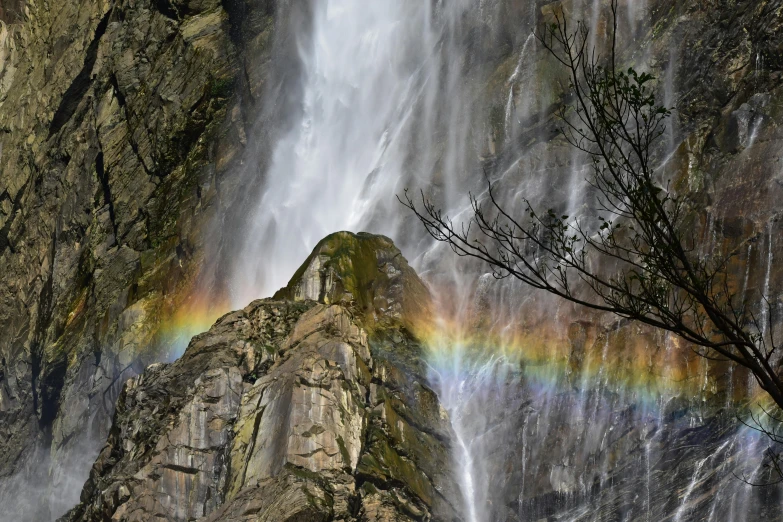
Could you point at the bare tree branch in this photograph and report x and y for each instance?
(635, 255)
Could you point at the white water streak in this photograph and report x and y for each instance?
(694, 481)
(512, 81)
(765, 294)
(370, 73)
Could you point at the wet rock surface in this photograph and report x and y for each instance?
(288, 410)
(606, 453)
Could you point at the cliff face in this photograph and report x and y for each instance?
(124, 128)
(316, 405)
(309, 408)
(120, 121)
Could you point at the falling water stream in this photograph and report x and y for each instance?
(384, 106)
(373, 77)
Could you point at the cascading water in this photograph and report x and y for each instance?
(372, 74)
(357, 97)
(386, 104)
(512, 84)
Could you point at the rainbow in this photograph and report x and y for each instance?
(643, 364)
(191, 316)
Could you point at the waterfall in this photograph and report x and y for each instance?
(387, 103)
(470, 382)
(344, 148)
(373, 78)
(694, 480)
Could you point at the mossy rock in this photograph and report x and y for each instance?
(384, 465)
(367, 274)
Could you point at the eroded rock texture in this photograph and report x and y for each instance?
(120, 123)
(289, 409)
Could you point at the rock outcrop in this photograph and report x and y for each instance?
(308, 406)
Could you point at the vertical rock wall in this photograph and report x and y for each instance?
(122, 124)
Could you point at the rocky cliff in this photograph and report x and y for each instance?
(608, 445)
(134, 134)
(309, 406)
(120, 120)
(317, 404)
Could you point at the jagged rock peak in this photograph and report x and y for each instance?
(366, 273)
(289, 409)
